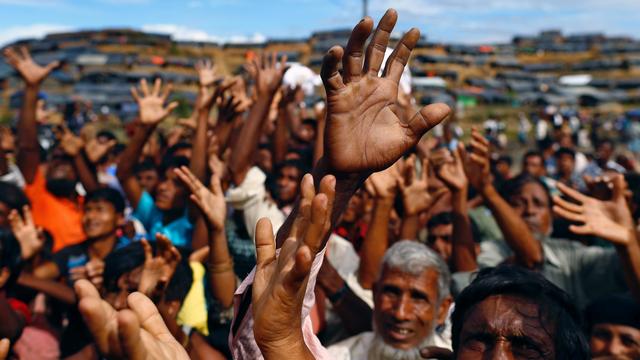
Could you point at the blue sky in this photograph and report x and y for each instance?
(465, 21)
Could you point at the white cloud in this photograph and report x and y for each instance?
(185, 33)
(14, 33)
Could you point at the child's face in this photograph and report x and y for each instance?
(170, 192)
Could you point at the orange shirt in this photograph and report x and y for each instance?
(61, 217)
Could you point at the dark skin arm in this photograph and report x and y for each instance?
(527, 249)
(281, 138)
(268, 79)
(152, 112)
(28, 157)
(51, 288)
(450, 170)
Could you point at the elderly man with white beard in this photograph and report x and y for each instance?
(411, 298)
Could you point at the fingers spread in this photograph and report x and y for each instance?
(400, 55)
(378, 44)
(428, 117)
(329, 72)
(352, 62)
(562, 212)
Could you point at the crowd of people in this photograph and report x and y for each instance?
(264, 228)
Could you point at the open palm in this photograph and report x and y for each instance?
(151, 102)
(29, 70)
(363, 133)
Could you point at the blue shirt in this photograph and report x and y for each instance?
(179, 231)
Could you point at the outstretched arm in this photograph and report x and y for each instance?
(152, 111)
(526, 247)
(32, 74)
(268, 76)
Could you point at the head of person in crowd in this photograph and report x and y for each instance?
(103, 213)
(613, 325)
(147, 175)
(509, 312)
(123, 270)
(11, 198)
(183, 149)
(440, 232)
(530, 198)
(533, 163)
(503, 167)
(307, 131)
(170, 193)
(264, 158)
(355, 208)
(10, 258)
(61, 176)
(604, 151)
(289, 173)
(566, 162)
(411, 298)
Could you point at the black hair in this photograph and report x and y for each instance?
(605, 141)
(109, 195)
(514, 185)
(146, 165)
(505, 159)
(172, 162)
(311, 122)
(124, 260)
(556, 307)
(633, 183)
(565, 151)
(10, 255)
(532, 153)
(12, 196)
(106, 134)
(175, 148)
(619, 309)
(296, 163)
(442, 218)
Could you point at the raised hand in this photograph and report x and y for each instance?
(415, 195)
(158, 270)
(207, 73)
(477, 164)
(136, 333)
(229, 108)
(267, 73)
(610, 220)
(95, 272)
(363, 134)
(96, 150)
(31, 73)
(450, 169)
(210, 201)
(151, 103)
(281, 280)
(25, 231)
(383, 184)
(70, 143)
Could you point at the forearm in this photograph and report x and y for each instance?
(410, 227)
(280, 137)
(526, 247)
(463, 257)
(51, 288)
(28, 157)
(198, 163)
(131, 153)
(86, 175)
(245, 147)
(375, 242)
(223, 130)
(221, 274)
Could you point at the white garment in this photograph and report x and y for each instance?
(357, 347)
(13, 176)
(251, 197)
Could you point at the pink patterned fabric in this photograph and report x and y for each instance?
(243, 344)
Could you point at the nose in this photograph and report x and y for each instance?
(501, 351)
(403, 309)
(615, 347)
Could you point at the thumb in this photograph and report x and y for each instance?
(428, 117)
(52, 65)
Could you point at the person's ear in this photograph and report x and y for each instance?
(443, 311)
(4, 276)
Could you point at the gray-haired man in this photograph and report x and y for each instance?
(411, 298)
